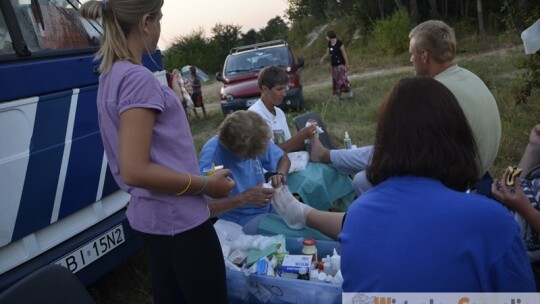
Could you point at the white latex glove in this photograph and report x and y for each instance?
(293, 212)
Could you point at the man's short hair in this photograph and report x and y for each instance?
(436, 37)
(272, 76)
(245, 134)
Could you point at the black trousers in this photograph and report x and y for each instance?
(187, 267)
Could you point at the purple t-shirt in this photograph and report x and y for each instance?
(129, 86)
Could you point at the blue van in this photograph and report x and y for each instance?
(59, 202)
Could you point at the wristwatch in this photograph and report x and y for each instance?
(269, 174)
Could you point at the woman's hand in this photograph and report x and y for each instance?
(219, 184)
(278, 180)
(309, 131)
(257, 196)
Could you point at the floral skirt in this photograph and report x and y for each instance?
(340, 83)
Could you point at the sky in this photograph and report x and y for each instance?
(182, 17)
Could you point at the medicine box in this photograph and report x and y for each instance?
(255, 288)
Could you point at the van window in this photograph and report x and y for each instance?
(50, 26)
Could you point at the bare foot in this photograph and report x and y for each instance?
(319, 153)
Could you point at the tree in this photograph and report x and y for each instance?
(226, 36)
(413, 9)
(480, 18)
(518, 16)
(297, 9)
(250, 37)
(434, 11)
(400, 5)
(381, 8)
(275, 29)
(191, 49)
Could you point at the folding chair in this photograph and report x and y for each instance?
(49, 284)
(301, 120)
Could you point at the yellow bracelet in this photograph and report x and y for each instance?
(187, 187)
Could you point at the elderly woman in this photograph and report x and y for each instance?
(243, 146)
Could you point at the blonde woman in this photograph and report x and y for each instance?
(152, 157)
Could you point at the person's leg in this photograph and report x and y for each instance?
(317, 152)
(351, 161)
(199, 265)
(361, 183)
(335, 88)
(188, 267)
(165, 288)
(203, 109)
(346, 161)
(342, 82)
(194, 97)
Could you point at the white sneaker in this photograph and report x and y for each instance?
(351, 94)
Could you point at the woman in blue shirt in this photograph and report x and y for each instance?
(418, 230)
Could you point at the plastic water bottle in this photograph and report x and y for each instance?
(347, 141)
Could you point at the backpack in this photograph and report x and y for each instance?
(531, 187)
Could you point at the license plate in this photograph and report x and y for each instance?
(251, 102)
(93, 250)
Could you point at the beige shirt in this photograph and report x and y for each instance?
(480, 109)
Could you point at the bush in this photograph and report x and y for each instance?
(392, 35)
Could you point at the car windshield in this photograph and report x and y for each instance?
(255, 60)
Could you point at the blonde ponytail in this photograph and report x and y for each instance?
(118, 18)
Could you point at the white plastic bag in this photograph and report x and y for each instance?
(299, 160)
(531, 38)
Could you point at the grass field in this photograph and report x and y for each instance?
(496, 65)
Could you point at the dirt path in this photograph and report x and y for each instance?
(212, 90)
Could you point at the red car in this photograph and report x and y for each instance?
(241, 69)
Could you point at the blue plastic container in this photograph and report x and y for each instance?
(265, 289)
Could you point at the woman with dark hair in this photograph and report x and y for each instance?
(339, 63)
(418, 230)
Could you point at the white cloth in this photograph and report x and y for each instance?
(278, 123)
